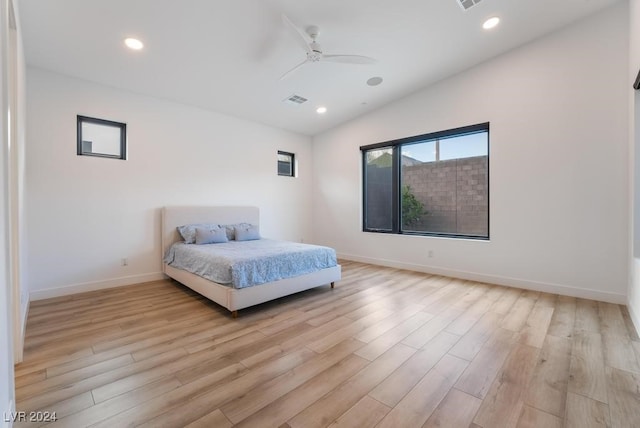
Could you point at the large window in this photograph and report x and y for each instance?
(433, 184)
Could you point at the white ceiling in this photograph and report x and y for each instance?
(228, 55)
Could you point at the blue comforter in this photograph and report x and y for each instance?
(245, 263)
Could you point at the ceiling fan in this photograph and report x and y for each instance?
(307, 40)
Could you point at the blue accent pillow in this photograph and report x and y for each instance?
(231, 229)
(247, 233)
(188, 231)
(210, 236)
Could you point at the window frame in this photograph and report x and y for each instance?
(122, 131)
(293, 164)
(396, 183)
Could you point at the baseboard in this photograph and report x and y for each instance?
(25, 314)
(564, 290)
(634, 299)
(19, 353)
(95, 285)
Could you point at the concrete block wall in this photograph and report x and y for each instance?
(454, 193)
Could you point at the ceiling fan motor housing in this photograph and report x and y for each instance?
(313, 31)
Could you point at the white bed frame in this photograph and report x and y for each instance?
(232, 298)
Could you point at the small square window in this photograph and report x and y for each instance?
(286, 164)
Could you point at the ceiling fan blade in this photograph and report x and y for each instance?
(290, 72)
(301, 37)
(349, 59)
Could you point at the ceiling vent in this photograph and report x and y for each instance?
(295, 99)
(467, 4)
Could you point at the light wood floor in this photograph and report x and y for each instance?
(385, 348)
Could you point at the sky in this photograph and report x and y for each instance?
(450, 148)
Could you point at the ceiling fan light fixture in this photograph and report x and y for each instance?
(321, 110)
(134, 44)
(491, 23)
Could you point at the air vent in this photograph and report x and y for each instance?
(295, 99)
(467, 4)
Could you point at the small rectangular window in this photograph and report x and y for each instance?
(286, 164)
(100, 137)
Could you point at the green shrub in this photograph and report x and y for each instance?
(412, 208)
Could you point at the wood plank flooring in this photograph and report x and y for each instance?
(385, 348)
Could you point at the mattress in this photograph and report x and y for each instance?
(241, 264)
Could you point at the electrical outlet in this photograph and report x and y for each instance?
(125, 262)
(430, 253)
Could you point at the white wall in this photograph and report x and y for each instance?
(634, 143)
(84, 214)
(558, 110)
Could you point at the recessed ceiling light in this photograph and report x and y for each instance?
(491, 22)
(134, 44)
(374, 81)
(321, 110)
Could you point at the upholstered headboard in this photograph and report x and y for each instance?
(175, 216)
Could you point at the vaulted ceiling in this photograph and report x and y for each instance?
(229, 55)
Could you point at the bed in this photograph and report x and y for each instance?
(227, 295)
